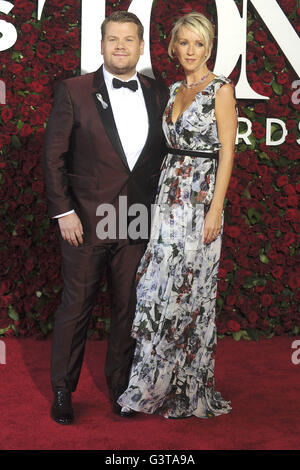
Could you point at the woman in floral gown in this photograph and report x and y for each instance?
(173, 367)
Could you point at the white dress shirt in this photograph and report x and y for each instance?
(131, 118)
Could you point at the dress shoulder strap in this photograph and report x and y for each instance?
(174, 87)
(220, 81)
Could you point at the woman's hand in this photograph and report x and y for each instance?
(212, 225)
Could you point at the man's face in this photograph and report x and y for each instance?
(121, 49)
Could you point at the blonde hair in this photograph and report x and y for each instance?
(197, 23)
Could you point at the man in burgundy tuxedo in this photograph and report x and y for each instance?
(103, 141)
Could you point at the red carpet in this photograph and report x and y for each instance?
(259, 378)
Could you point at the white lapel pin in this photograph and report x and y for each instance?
(99, 97)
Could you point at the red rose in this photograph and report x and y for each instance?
(233, 198)
(289, 190)
(291, 215)
(222, 285)
(235, 211)
(38, 187)
(289, 238)
(291, 138)
(260, 108)
(243, 159)
(26, 130)
(29, 264)
(282, 180)
(274, 312)
(233, 326)
(252, 317)
(284, 99)
(266, 300)
(36, 86)
(281, 201)
(37, 118)
(292, 200)
(290, 124)
(259, 87)
(270, 50)
(277, 272)
(260, 35)
(42, 49)
(275, 224)
(233, 231)
(70, 61)
(267, 76)
(6, 114)
(228, 265)
(231, 299)
(15, 68)
(283, 78)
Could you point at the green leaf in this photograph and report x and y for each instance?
(43, 328)
(90, 333)
(15, 141)
(15, 329)
(4, 330)
(16, 55)
(245, 335)
(263, 156)
(247, 194)
(12, 313)
(268, 66)
(281, 162)
(277, 88)
(57, 289)
(237, 335)
(248, 283)
(253, 334)
(253, 215)
(295, 330)
(249, 113)
(264, 259)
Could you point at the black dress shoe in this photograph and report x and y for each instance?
(61, 410)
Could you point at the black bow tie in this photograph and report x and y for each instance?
(132, 84)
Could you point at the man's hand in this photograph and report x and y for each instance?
(71, 229)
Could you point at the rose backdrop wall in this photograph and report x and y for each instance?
(258, 290)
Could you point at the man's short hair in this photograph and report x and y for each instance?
(123, 17)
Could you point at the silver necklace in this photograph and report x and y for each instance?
(192, 85)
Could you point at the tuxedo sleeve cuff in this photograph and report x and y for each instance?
(61, 215)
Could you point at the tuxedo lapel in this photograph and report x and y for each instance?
(104, 108)
(150, 101)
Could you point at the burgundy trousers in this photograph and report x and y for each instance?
(82, 270)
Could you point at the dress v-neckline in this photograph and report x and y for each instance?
(186, 109)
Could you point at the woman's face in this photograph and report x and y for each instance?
(190, 50)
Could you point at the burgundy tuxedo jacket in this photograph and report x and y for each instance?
(83, 160)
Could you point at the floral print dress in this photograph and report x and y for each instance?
(173, 367)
